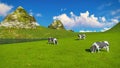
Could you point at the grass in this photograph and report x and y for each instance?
(39, 32)
(69, 53)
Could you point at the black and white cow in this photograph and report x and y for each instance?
(99, 45)
(52, 40)
(81, 36)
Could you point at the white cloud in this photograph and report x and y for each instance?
(114, 20)
(39, 15)
(105, 29)
(115, 12)
(84, 19)
(68, 22)
(4, 9)
(103, 19)
(87, 31)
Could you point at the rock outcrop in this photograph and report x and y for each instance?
(57, 24)
(19, 19)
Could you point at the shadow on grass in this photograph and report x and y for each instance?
(87, 50)
(10, 41)
(77, 39)
(101, 50)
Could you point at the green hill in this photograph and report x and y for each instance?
(39, 32)
(115, 28)
(69, 53)
(19, 19)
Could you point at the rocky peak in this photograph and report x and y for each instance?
(19, 19)
(57, 24)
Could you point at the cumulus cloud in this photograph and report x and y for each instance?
(4, 9)
(84, 19)
(115, 20)
(103, 19)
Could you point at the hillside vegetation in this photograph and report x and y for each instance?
(39, 32)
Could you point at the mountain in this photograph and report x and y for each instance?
(115, 28)
(57, 24)
(19, 19)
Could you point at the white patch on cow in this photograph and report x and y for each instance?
(106, 42)
(54, 41)
(95, 44)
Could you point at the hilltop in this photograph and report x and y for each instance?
(57, 24)
(19, 19)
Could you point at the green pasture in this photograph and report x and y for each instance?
(69, 53)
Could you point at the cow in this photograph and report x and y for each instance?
(52, 40)
(81, 36)
(96, 46)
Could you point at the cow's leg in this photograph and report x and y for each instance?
(92, 49)
(56, 42)
(80, 37)
(107, 47)
(95, 50)
(84, 37)
(98, 48)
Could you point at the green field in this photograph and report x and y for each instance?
(69, 53)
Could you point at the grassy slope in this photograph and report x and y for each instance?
(40, 32)
(69, 53)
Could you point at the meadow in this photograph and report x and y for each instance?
(69, 53)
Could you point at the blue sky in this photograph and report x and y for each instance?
(78, 15)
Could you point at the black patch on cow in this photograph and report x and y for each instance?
(101, 44)
(93, 48)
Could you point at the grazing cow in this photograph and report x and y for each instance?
(99, 45)
(52, 40)
(81, 36)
